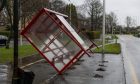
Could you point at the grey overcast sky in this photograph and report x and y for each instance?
(122, 8)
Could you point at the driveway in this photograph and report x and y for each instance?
(131, 53)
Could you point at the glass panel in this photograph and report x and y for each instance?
(83, 36)
(73, 32)
(52, 42)
(86, 40)
(63, 49)
(41, 32)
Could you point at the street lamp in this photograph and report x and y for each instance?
(15, 78)
(70, 12)
(103, 32)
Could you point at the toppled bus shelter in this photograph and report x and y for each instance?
(55, 39)
(83, 35)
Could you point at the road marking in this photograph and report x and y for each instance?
(132, 69)
(32, 63)
(133, 73)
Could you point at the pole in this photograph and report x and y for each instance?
(21, 39)
(70, 12)
(20, 25)
(15, 78)
(103, 32)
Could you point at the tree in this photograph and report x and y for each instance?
(128, 23)
(28, 8)
(2, 4)
(58, 5)
(9, 17)
(95, 11)
(83, 22)
(74, 18)
(111, 22)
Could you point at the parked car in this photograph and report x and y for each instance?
(3, 40)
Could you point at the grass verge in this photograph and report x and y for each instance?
(6, 55)
(110, 49)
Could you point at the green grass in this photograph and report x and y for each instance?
(110, 49)
(6, 55)
(98, 42)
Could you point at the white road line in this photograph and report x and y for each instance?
(132, 69)
(32, 63)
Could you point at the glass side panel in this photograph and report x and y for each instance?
(52, 42)
(63, 50)
(42, 31)
(73, 32)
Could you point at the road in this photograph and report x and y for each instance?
(131, 54)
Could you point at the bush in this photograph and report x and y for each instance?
(114, 37)
(137, 35)
(93, 34)
(5, 33)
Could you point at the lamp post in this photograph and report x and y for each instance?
(70, 12)
(103, 32)
(15, 78)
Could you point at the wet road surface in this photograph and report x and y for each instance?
(131, 53)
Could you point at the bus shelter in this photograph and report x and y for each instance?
(72, 30)
(58, 43)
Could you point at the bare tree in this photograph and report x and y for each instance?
(128, 23)
(2, 4)
(9, 17)
(58, 5)
(95, 10)
(111, 22)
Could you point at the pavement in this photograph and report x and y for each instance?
(3, 74)
(131, 53)
(83, 72)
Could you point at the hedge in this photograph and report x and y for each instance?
(93, 34)
(5, 33)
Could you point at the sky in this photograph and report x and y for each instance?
(121, 8)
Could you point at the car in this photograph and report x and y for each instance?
(3, 40)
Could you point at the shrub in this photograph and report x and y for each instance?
(114, 37)
(138, 35)
(93, 34)
(5, 33)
